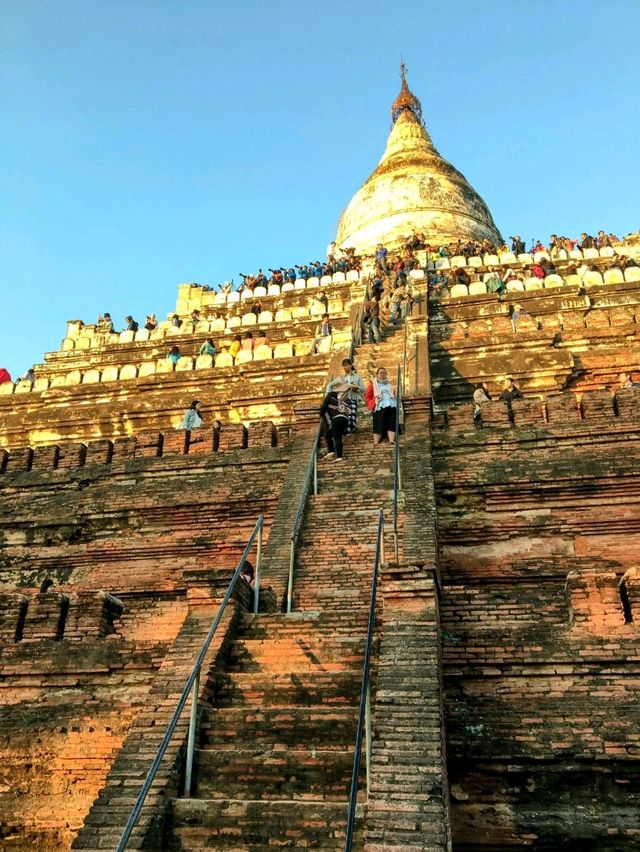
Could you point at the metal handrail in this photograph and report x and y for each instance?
(311, 474)
(364, 712)
(192, 686)
(396, 467)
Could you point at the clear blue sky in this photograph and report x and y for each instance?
(151, 142)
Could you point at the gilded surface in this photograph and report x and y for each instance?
(413, 188)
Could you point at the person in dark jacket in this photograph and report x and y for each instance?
(511, 391)
(335, 414)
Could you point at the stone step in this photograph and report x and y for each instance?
(265, 773)
(249, 825)
(299, 689)
(327, 727)
(317, 623)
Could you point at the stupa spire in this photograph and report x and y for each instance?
(406, 100)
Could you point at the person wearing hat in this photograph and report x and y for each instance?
(335, 415)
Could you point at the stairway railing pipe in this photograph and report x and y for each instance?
(310, 476)
(396, 465)
(190, 687)
(364, 712)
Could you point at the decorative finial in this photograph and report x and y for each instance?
(406, 100)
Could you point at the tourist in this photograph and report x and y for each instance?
(439, 283)
(335, 414)
(105, 324)
(461, 276)
(29, 376)
(248, 573)
(399, 303)
(176, 322)
(208, 348)
(236, 345)
(494, 283)
(586, 241)
(322, 298)
(480, 396)
(195, 317)
(381, 401)
(510, 391)
(261, 340)
(517, 245)
(151, 323)
(537, 270)
(538, 246)
(625, 381)
(247, 343)
(354, 382)
(256, 307)
(174, 355)
(192, 417)
(371, 321)
(132, 325)
(5, 376)
(603, 240)
(381, 258)
(323, 329)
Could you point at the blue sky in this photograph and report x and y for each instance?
(151, 142)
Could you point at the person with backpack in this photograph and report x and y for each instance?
(335, 414)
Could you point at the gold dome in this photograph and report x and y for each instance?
(413, 188)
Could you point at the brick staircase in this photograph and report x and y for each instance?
(273, 767)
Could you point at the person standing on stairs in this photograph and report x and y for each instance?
(381, 401)
(355, 384)
(335, 414)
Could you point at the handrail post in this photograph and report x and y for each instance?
(256, 585)
(315, 472)
(367, 738)
(292, 558)
(191, 742)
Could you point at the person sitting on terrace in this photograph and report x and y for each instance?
(555, 246)
(261, 279)
(381, 258)
(603, 240)
(261, 340)
(511, 275)
(625, 381)
(247, 573)
(586, 241)
(414, 241)
(289, 275)
(317, 268)
(438, 282)
(5, 376)
(548, 266)
(174, 354)
(132, 325)
(502, 250)
(537, 270)
(517, 245)
(461, 276)
(176, 322)
(256, 307)
(538, 246)
(28, 376)
(443, 251)
(208, 348)
(480, 395)
(226, 288)
(247, 343)
(151, 323)
(628, 263)
(323, 329)
(105, 324)
(322, 298)
(494, 283)
(511, 391)
(236, 345)
(192, 417)
(276, 277)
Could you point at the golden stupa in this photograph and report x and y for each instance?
(413, 188)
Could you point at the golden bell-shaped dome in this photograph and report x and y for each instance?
(413, 188)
